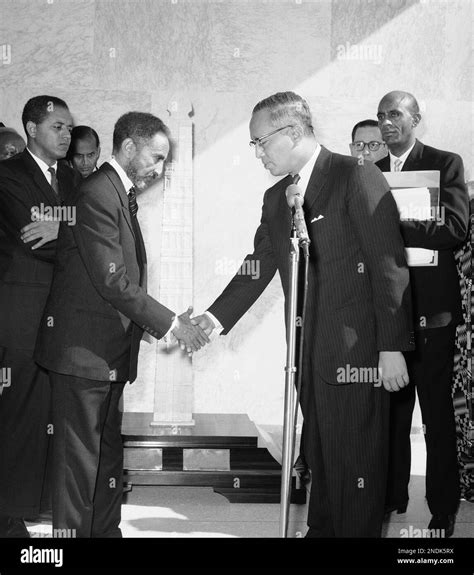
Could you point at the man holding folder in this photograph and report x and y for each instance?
(437, 311)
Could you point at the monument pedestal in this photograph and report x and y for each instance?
(220, 451)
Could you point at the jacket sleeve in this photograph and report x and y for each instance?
(98, 239)
(374, 215)
(452, 226)
(245, 288)
(16, 206)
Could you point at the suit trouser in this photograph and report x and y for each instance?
(25, 434)
(87, 456)
(346, 447)
(430, 368)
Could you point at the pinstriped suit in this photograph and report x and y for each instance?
(358, 304)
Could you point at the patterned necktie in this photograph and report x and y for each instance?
(132, 202)
(139, 245)
(396, 165)
(54, 181)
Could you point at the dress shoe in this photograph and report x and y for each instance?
(13, 527)
(401, 508)
(444, 522)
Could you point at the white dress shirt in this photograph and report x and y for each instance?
(402, 158)
(126, 181)
(43, 166)
(307, 170)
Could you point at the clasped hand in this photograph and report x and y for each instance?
(190, 335)
(44, 230)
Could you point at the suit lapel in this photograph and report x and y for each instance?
(67, 181)
(413, 161)
(319, 177)
(384, 164)
(39, 179)
(284, 209)
(136, 232)
(122, 194)
(317, 183)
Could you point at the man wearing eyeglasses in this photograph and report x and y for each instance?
(358, 310)
(367, 141)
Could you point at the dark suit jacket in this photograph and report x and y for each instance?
(436, 295)
(98, 306)
(358, 298)
(25, 274)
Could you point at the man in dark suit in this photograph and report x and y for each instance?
(358, 313)
(437, 311)
(367, 142)
(94, 319)
(32, 186)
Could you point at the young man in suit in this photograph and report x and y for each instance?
(94, 319)
(31, 183)
(437, 311)
(358, 311)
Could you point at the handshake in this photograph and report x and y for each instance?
(192, 333)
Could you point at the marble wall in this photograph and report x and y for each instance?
(106, 57)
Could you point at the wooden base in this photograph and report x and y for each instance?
(220, 451)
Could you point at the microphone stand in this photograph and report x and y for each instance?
(291, 404)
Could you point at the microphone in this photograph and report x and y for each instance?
(295, 200)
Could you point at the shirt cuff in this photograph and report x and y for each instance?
(218, 327)
(169, 337)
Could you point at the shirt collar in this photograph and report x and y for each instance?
(126, 181)
(43, 166)
(307, 169)
(403, 157)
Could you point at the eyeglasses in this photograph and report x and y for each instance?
(373, 146)
(258, 141)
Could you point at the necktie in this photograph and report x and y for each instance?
(132, 202)
(139, 244)
(397, 165)
(296, 178)
(54, 181)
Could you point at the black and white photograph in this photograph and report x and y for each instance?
(236, 245)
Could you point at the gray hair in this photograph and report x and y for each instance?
(289, 108)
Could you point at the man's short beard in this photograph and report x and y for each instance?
(132, 173)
